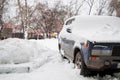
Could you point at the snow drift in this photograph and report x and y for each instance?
(18, 55)
(16, 51)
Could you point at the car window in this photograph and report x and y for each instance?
(69, 21)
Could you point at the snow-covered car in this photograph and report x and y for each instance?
(91, 42)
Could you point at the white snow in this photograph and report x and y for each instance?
(97, 28)
(43, 57)
(18, 51)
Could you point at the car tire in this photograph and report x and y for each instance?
(79, 62)
(61, 51)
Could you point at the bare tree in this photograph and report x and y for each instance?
(49, 18)
(2, 4)
(23, 15)
(115, 5)
(78, 4)
(26, 19)
(102, 5)
(69, 9)
(73, 7)
(53, 18)
(90, 4)
(112, 7)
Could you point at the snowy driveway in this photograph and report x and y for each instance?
(51, 67)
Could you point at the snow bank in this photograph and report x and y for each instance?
(18, 55)
(15, 51)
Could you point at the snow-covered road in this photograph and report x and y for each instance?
(52, 66)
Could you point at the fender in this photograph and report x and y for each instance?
(79, 46)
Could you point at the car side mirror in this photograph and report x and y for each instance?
(69, 30)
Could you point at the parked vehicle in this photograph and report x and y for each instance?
(91, 42)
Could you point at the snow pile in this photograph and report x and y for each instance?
(19, 55)
(15, 51)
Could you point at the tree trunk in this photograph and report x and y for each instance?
(26, 21)
(1, 14)
(1, 24)
(118, 12)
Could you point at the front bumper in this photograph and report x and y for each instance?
(104, 63)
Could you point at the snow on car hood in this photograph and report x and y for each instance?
(99, 29)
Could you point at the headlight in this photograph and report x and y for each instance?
(99, 50)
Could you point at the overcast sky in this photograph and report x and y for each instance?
(50, 2)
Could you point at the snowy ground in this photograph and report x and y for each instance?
(44, 59)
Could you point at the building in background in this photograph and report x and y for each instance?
(36, 34)
(16, 31)
(11, 31)
(7, 30)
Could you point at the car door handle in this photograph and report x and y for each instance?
(64, 38)
(69, 30)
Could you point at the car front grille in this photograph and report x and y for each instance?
(116, 51)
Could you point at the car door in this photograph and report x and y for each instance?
(67, 40)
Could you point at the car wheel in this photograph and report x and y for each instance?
(61, 51)
(79, 62)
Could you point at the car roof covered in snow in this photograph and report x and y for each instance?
(97, 28)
